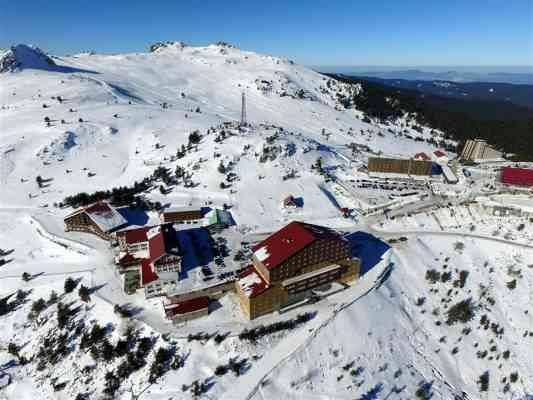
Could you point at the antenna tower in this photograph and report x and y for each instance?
(243, 110)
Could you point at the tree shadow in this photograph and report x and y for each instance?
(4, 253)
(96, 288)
(131, 309)
(34, 276)
(373, 393)
(5, 261)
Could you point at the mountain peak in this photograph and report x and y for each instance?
(160, 46)
(24, 56)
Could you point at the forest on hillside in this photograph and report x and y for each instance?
(506, 126)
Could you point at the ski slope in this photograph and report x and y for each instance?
(114, 118)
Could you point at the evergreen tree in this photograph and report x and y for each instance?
(70, 285)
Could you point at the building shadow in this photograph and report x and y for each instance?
(134, 216)
(299, 201)
(196, 247)
(368, 248)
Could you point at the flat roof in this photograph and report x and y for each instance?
(182, 209)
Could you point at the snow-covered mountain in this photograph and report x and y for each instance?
(93, 122)
(22, 57)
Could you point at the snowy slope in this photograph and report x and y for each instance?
(114, 118)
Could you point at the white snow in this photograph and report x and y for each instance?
(248, 282)
(137, 110)
(261, 253)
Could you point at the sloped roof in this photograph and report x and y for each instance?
(439, 153)
(148, 275)
(136, 235)
(289, 201)
(162, 240)
(177, 209)
(102, 214)
(517, 176)
(126, 259)
(251, 282)
(187, 306)
(219, 217)
(290, 240)
(422, 156)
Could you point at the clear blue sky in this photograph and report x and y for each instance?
(348, 32)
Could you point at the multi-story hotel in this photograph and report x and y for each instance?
(290, 263)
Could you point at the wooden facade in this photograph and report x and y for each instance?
(81, 222)
(399, 166)
(100, 219)
(181, 216)
(321, 262)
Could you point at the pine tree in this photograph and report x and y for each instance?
(70, 285)
(84, 293)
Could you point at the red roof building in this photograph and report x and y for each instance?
(290, 263)
(251, 282)
(127, 260)
(517, 176)
(288, 241)
(422, 156)
(439, 153)
(148, 275)
(187, 306)
(162, 240)
(290, 202)
(136, 235)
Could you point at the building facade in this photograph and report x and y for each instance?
(133, 241)
(289, 264)
(399, 166)
(182, 215)
(100, 219)
(477, 150)
(187, 310)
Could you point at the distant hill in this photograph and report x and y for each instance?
(521, 95)
(505, 125)
(513, 75)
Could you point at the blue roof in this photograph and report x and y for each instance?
(368, 248)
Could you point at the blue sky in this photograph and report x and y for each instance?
(366, 32)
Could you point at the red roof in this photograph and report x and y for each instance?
(251, 282)
(162, 240)
(517, 176)
(147, 274)
(187, 306)
(439, 153)
(137, 235)
(289, 240)
(422, 156)
(156, 246)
